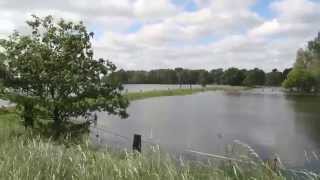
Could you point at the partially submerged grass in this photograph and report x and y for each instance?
(183, 91)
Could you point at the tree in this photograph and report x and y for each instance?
(216, 76)
(203, 78)
(2, 74)
(233, 76)
(53, 71)
(300, 79)
(305, 75)
(314, 51)
(179, 72)
(255, 77)
(274, 78)
(286, 72)
(137, 77)
(120, 76)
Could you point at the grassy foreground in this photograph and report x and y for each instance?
(26, 156)
(180, 92)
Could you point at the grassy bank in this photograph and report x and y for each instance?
(23, 156)
(26, 156)
(180, 92)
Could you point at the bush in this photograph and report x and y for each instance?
(300, 80)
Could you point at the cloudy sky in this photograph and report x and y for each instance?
(148, 34)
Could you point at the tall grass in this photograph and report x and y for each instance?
(34, 158)
(24, 155)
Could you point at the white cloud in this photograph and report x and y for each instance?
(171, 37)
(267, 28)
(295, 19)
(226, 5)
(103, 8)
(300, 11)
(6, 26)
(155, 9)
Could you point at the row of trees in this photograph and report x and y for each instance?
(231, 76)
(305, 76)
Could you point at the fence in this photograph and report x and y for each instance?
(138, 140)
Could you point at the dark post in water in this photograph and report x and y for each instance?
(137, 143)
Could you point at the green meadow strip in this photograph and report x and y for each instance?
(181, 92)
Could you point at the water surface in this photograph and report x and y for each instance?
(267, 120)
(4, 103)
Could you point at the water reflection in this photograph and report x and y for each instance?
(307, 124)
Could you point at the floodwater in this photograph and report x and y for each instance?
(266, 119)
(4, 103)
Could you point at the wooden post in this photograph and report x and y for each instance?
(136, 146)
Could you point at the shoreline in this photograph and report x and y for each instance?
(132, 96)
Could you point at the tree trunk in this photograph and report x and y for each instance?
(28, 116)
(57, 122)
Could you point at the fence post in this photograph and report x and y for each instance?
(136, 146)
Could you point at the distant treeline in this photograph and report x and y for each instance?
(232, 76)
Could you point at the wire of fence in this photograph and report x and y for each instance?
(105, 130)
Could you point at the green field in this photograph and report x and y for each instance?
(180, 92)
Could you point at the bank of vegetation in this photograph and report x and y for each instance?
(182, 91)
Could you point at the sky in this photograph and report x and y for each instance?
(195, 34)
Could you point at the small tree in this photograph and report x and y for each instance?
(255, 77)
(274, 78)
(305, 75)
(233, 77)
(203, 78)
(300, 80)
(53, 70)
(216, 76)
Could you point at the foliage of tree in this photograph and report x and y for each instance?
(233, 76)
(53, 71)
(300, 79)
(135, 77)
(255, 77)
(216, 76)
(274, 78)
(286, 72)
(204, 78)
(162, 76)
(305, 75)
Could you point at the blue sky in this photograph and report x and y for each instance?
(187, 5)
(196, 34)
(262, 8)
